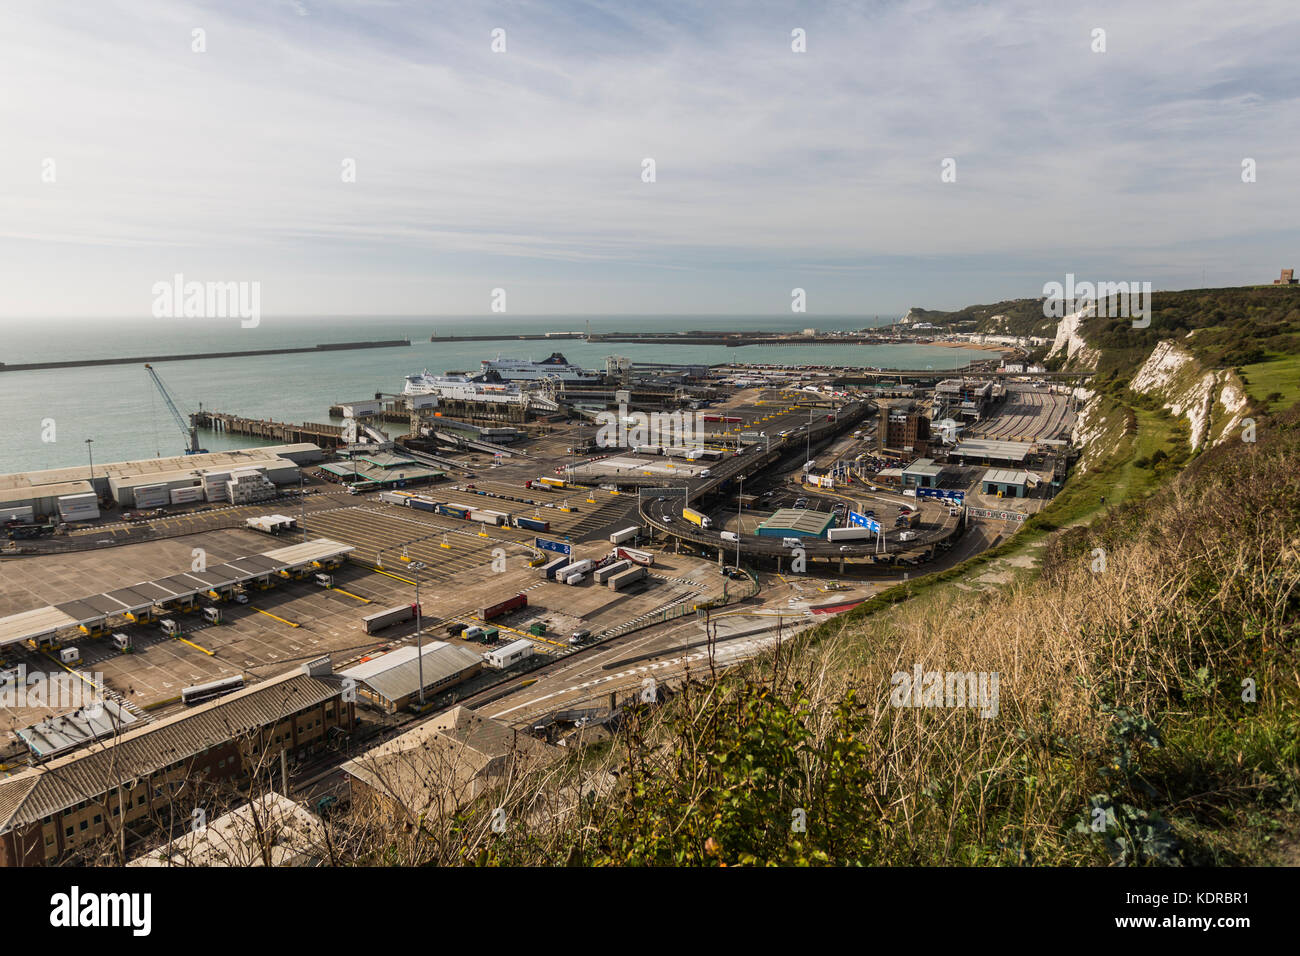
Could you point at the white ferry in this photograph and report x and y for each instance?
(527, 370)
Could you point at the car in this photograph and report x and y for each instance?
(662, 498)
(668, 519)
(241, 598)
(844, 547)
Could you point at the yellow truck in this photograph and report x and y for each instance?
(696, 517)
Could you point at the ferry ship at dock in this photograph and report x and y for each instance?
(556, 367)
(458, 383)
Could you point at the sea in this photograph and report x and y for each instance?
(47, 415)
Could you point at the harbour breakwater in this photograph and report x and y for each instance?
(727, 339)
(82, 363)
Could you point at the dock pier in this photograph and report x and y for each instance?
(327, 436)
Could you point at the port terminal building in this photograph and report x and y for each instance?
(796, 523)
(74, 802)
(982, 451)
(392, 681)
(1010, 484)
(41, 490)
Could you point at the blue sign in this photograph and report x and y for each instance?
(862, 521)
(558, 547)
(956, 497)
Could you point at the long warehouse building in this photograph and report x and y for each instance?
(41, 489)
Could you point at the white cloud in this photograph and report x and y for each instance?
(524, 167)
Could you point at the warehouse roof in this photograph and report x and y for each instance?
(397, 674)
(220, 460)
(987, 448)
(797, 521)
(34, 623)
(1003, 476)
(195, 475)
(387, 460)
(321, 549)
(83, 725)
(342, 469)
(24, 494)
(65, 781)
(924, 466)
(447, 761)
(293, 835)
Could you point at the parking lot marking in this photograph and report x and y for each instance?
(275, 616)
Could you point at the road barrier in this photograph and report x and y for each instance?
(1017, 516)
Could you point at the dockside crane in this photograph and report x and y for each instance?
(190, 431)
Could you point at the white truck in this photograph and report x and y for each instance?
(575, 571)
(627, 534)
(70, 655)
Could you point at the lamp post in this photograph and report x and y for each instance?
(740, 528)
(808, 454)
(91, 454)
(417, 567)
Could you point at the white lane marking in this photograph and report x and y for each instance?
(731, 650)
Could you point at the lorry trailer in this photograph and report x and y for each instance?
(608, 571)
(624, 578)
(697, 518)
(504, 607)
(627, 534)
(635, 556)
(394, 615)
(851, 533)
(552, 568)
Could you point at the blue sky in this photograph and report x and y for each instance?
(522, 170)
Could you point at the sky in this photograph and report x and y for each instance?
(128, 156)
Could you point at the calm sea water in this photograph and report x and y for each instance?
(120, 409)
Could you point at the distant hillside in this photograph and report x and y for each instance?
(1012, 317)
(1224, 328)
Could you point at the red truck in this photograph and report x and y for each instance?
(505, 607)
